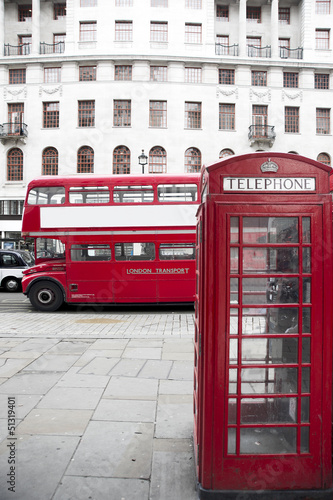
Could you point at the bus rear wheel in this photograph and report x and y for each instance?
(46, 296)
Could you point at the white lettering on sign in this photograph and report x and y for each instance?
(288, 184)
(174, 270)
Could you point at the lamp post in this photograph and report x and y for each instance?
(143, 161)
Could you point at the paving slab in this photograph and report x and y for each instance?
(131, 388)
(96, 488)
(174, 417)
(41, 463)
(173, 470)
(120, 450)
(55, 421)
(125, 410)
(29, 383)
(72, 398)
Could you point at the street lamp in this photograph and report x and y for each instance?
(143, 161)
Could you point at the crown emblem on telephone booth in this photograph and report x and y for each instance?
(269, 166)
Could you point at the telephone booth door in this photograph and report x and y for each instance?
(274, 348)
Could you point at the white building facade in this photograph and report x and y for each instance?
(86, 85)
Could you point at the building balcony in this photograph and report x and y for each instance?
(13, 132)
(23, 49)
(226, 50)
(286, 53)
(52, 48)
(261, 135)
(255, 51)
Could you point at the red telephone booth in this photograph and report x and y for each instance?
(263, 341)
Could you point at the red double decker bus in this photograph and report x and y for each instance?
(117, 239)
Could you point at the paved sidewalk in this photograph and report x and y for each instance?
(102, 402)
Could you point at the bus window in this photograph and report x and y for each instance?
(91, 252)
(177, 192)
(177, 251)
(81, 194)
(133, 194)
(134, 251)
(49, 249)
(46, 196)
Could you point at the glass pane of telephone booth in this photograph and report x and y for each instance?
(269, 335)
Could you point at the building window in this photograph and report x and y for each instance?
(123, 73)
(322, 81)
(88, 3)
(88, 31)
(24, 42)
(86, 113)
(226, 152)
(291, 122)
(50, 161)
(259, 78)
(124, 3)
(193, 75)
(324, 158)
(157, 160)
(159, 3)
(24, 13)
(122, 113)
(192, 114)
(226, 116)
(226, 76)
(17, 76)
(322, 39)
(158, 31)
(87, 73)
(59, 11)
(15, 117)
(158, 114)
(193, 33)
(284, 15)
(323, 6)
(222, 42)
(253, 46)
(121, 160)
(193, 4)
(11, 207)
(222, 13)
(323, 125)
(192, 160)
(253, 14)
(50, 114)
(290, 80)
(85, 160)
(15, 165)
(123, 31)
(259, 121)
(52, 75)
(158, 73)
(59, 43)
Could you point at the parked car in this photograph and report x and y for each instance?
(12, 263)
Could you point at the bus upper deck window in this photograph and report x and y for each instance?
(46, 196)
(95, 194)
(133, 194)
(177, 192)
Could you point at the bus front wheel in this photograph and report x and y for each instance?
(46, 296)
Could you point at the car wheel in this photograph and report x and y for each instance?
(46, 296)
(12, 285)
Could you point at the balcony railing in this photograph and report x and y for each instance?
(13, 131)
(23, 49)
(255, 51)
(52, 48)
(286, 53)
(262, 133)
(226, 50)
